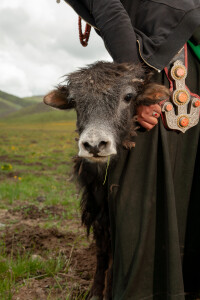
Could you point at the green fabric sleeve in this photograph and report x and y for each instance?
(195, 49)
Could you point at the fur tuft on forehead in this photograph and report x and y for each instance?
(101, 76)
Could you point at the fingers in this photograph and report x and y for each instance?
(148, 115)
(146, 125)
(154, 107)
(148, 119)
(145, 111)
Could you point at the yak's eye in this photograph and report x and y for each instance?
(128, 97)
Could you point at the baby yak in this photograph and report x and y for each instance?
(105, 96)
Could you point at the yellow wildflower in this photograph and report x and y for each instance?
(6, 167)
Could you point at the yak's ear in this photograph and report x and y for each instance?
(59, 99)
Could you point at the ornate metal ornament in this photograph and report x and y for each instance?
(182, 111)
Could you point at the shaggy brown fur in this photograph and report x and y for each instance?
(106, 93)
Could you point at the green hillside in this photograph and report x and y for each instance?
(40, 113)
(7, 108)
(15, 100)
(10, 104)
(34, 98)
(30, 110)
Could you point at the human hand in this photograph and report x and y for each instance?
(147, 116)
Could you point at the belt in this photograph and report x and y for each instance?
(182, 111)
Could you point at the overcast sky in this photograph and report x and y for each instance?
(39, 43)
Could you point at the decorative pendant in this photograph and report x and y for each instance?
(182, 112)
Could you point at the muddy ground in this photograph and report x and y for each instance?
(40, 213)
(22, 232)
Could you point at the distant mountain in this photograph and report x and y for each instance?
(10, 104)
(35, 108)
(30, 110)
(15, 100)
(34, 98)
(40, 113)
(7, 107)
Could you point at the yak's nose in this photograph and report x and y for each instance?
(96, 143)
(97, 148)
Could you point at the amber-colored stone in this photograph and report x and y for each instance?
(183, 122)
(180, 72)
(197, 103)
(168, 107)
(182, 97)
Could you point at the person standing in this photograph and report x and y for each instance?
(154, 211)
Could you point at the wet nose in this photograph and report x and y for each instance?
(96, 143)
(95, 149)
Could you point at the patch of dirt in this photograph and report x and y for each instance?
(4, 138)
(48, 243)
(47, 288)
(18, 159)
(9, 175)
(12, 174)
(22, 238)
(57, 151)
(3, 158)
(14, 216)
(33, 212)
(37, 163)
(15, 158)
(41, 198)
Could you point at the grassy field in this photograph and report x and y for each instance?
(43, 250)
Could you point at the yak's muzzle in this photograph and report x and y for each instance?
(96, 144)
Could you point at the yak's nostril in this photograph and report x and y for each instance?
(96, 145)
(91, 149)
(95, 149)
(102, 145)
(87, 146)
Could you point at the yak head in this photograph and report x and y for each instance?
(105, 96)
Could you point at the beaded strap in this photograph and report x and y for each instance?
(84, 37)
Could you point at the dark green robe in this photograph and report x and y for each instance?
(155, 212)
